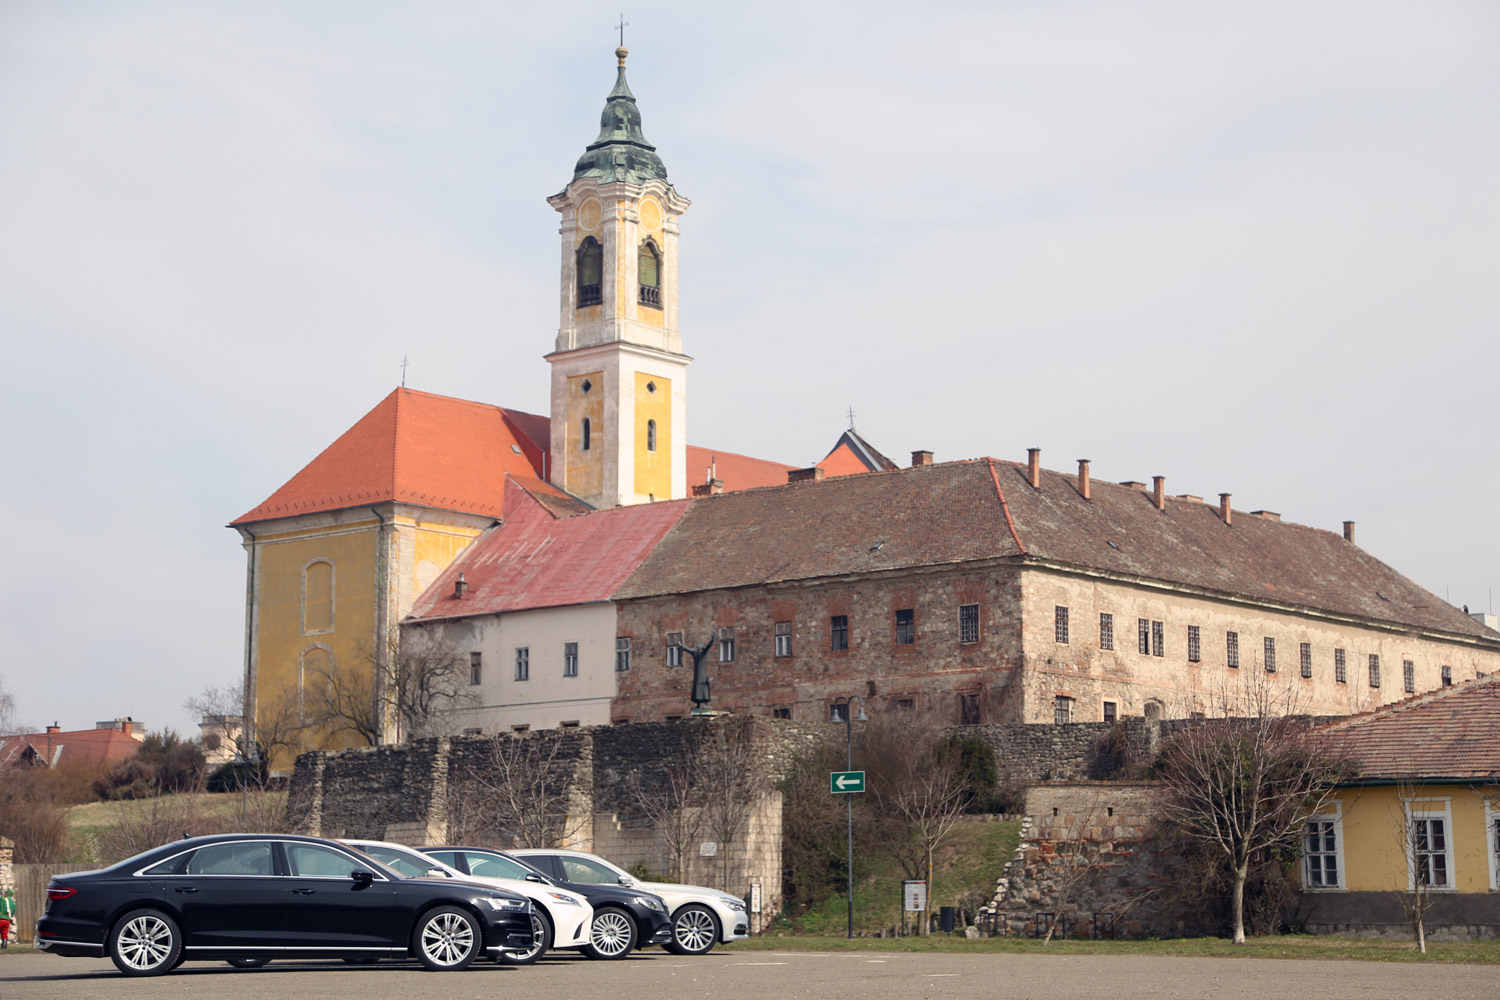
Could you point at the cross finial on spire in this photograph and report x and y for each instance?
(621, 27)
(851, 418)
(403, 371)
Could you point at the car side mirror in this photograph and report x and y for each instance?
(362, 875)
(437, 873)
(534, 877)
(627, 881)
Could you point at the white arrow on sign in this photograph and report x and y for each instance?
(845, 780)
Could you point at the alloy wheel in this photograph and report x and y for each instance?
(611, 933)
(144, 943)
(447, 939)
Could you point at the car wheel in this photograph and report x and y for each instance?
(611, 935)
(249, 961)
(695, 931)
(361, 959)
(541, 941)
(145, 943)
(446, 939)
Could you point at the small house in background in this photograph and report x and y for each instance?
(109, 742)
(219, 737)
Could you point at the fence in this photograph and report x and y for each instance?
(31, 894)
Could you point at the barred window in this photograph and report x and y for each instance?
(1270, 648)
(1306, 656)
(1062, 709)
(781, 712)
(968, 623)
(1158, 639)
(1232, 648)
(476, 667)
(726, 645)
(1106, 631)
(783, 639)
(674, 649)
(523, 663)
(1143, 636)
(570, 659)
(1374, 670)
(838, 632)
(1195, 644)
(906, 627)
(622, 653)
(1408, 676)
(1339, 672)
(1060, 623)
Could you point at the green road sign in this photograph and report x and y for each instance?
(845, 782)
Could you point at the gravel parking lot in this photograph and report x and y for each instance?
(763, 975)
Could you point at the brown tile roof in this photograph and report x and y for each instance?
(852, 455)
(1450, 733)
(101, 746)
(981, 509)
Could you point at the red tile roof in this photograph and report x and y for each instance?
(420, 448)
(736, 472)
(852, 455)
(537, 560)
(103, 746)
(1450, 733)
(986, 509)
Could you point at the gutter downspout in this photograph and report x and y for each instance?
(382, 610)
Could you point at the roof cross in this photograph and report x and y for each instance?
(851, 418)
(622, 26)
(403, 371)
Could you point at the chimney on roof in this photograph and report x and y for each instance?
(1189, 497)
(1083, 478)
(54, 728)
(1133, 484)
(1349, 531)
(711, 488)
(809, 475)
(460, 587)
(921, 458)
(126, 726)
(1269, 515)
(1224, 510)
(1159, 492)
(1034, 467)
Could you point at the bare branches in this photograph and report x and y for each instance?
(665, 796)
(399, 696)
(525, 786)
(732, 778)
(1423, 843)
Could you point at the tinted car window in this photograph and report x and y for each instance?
(586, 871)
(410, 865)
(316, 861)
(492, 867)
(219, 859)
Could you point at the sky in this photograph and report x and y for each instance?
(1248, 247)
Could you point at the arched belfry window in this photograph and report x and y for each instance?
(586, 430)
(650, 271)
(651, 435)
(590, 273)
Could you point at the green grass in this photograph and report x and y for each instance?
(107, 815)
(1287, 946)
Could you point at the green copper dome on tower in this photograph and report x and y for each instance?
(621, 153)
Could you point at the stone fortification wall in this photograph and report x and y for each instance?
(1028, 753)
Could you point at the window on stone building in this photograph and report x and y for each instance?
(1447, 676)
(781, 712)
(476, 667)
(1158, 639)
(587, 433)
(570, 659)
(1143, 636)
(1060, 623)
(906, 704)
(1320, 853)
(1305, 656)
(650, 275)
(523, 663)
(1408, 677)
(783, 640)
(1111, 711)
(590, 273)
(1195, 644)
(838, 630)
(1269, 645)
(1340, 673)
(1374, 670)
(674, 649)
(1106, 631)
(968, 623)
(568, 724)
(651, 435)
(1062, 709)
(1232, 648)
(521, 727)
(906, 627)
(622, 652)
(968, 710)
(726, 645)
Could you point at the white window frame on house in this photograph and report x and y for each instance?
(1195, 644)
(1340, 667)
(1336, 818)
(523, 663)
(1304, 658)
(570, 659)
(1143, 636)
(1232, 649)
(1492, 841)
(726, 644)
(1158, 639)
(674, 649)
(782, 644)
(1268, 653)
(622, 653)
(1428, 809)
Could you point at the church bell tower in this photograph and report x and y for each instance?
(619, 377)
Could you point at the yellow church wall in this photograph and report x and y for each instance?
(653, 469)
(434, 549)
(583, 473)
(1374, 846)
(650, 227)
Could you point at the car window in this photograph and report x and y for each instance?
(494, 867)
(317, 861)
(406, 862)
(449, 858)
(589, 872)
(222, 859)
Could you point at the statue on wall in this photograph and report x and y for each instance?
(700, 675)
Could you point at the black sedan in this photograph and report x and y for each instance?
(249, 898)
(623, 918)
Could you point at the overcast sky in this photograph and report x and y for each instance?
(1250, 247)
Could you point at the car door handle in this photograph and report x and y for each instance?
(187, 888)
(304, 892)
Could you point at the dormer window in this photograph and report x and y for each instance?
(590, 273)
(650, 273)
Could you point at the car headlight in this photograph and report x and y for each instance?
(564, 900)
(650, 904)
(733, 904)
(501, 903)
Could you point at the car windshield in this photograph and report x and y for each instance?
(408, 863)
(498, 865)
(589, 870)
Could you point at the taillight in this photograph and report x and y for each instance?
(57, 892)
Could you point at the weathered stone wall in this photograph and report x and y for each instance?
(1028, 753)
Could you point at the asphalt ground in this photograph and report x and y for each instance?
(727, 974)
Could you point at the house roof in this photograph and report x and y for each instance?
(984, 509)
(736, 472)
(538, 560)
(853, 454)
(103, 746)
(416, 447)
(1450, 733)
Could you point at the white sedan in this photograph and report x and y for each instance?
(701, 917)
(560, 919)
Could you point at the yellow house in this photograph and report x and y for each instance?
(1420, 823)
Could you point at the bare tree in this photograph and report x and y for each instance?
(1423, 843)
(733, 780)
(664, 794)
(1244, 786)
(525, 786)
(9, 723)
(1075, 859)
(388, 699)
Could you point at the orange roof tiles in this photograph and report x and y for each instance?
(1449, 733)
(852, 455)
(101, 746)
(736, 472)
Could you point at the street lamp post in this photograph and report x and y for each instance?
(848, 719)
